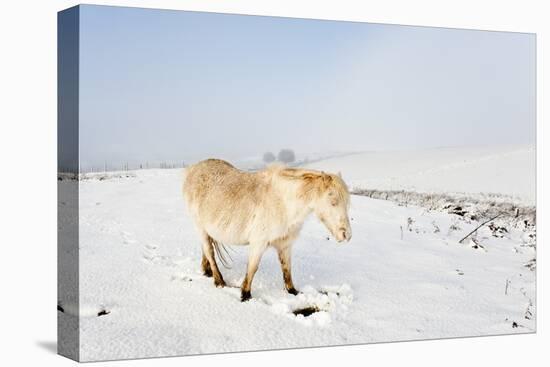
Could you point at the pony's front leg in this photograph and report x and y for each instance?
(254, 256)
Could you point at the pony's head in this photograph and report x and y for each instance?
(328, 196)
(332, 206)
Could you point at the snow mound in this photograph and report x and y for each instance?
(320, 306)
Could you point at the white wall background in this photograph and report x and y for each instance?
(28, 179)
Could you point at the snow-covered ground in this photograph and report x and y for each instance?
(403, 276)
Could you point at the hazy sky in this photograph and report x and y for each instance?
(173, 85)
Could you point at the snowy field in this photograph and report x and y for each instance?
(403, 276)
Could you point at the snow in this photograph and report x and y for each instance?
(504, 170)
(403, 276)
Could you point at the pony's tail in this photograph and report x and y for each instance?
(222, 254)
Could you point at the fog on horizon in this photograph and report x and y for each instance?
(174, 86)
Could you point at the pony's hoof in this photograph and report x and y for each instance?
(207, 273)
(245, 296)
(293, 291)
(219, 283)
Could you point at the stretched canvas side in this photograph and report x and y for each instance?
(67, 184)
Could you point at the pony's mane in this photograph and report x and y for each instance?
(313, 183)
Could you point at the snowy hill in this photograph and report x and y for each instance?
(507, 170)
(403, 276)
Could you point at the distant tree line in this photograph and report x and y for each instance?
(285, 156)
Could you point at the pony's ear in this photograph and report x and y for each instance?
(327, 179)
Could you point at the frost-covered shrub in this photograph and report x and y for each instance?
(469, 208)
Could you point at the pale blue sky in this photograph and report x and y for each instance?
(160, 85)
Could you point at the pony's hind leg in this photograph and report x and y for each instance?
(210, 263)
(205, 266)
(284, 258)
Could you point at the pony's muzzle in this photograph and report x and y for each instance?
(343, 234)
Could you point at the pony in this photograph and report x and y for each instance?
(261, 209)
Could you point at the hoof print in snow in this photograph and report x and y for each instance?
(181, 278)
(306, 311)
(103, 313)
(459, 272)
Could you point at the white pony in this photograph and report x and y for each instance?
(260, 209)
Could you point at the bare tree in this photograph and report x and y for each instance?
(286, 156)
(269, 157)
